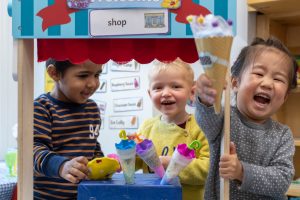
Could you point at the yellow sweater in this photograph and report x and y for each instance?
(166, 137)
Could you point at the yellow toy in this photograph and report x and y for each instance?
(102, 168)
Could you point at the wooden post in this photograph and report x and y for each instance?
(224, 183)
(25, 118)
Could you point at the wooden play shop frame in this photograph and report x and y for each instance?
(25, 62)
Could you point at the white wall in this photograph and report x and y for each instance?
(8, 87)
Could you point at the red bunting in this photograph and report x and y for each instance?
(188, 7)
(56, 14)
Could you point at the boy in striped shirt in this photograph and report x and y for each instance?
(66, 127)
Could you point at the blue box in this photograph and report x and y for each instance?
(146, 187)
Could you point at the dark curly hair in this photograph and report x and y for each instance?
(60, 66)
(249, 53)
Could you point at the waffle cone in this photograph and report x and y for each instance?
(219, 48)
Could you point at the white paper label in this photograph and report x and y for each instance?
(128, 104)
(126, 83)
(123, 122)
(128, 22)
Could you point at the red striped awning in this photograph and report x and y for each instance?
(119, 50)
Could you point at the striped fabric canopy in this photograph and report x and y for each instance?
(119, 50)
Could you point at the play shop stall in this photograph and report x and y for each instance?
(100, 30)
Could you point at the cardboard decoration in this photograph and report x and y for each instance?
(55, 19)
(108, 4)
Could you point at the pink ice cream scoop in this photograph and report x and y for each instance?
(182, 156)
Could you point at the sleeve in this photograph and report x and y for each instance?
(139, 163)
(98, 151)
(210, 123)
(196, 172)
(272, 180)
(46, 161)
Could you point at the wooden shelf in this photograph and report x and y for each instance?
(294, 190)
(284, 11)
(297, 142)
(279, 18)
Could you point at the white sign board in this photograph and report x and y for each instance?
(128, 22)
(128, 104)
(125, 83)
(123, 122)
(131, 66)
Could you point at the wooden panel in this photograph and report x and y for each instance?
(25, 119)
(275, 6)
(284, 11)
(278, 30)
(295, 50)
(291, 18)
(293, 38)
(289, 113)
(262, 26)
(297, 163)
(294, 190)
(297, 142)
(292, 113)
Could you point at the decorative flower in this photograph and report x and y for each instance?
(170, 4)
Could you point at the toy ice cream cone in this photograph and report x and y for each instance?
(146, 151)
(213, 38)
(126, 152)
(182, 156)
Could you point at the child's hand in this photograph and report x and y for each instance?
(205, 91)
(74, 170)
(230, 166)
(165, 160)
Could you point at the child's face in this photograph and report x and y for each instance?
(263, 86)
(79, 82)
(169, 91)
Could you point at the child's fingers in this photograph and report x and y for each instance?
(232, 148)
(71, 178)
(204, 89)
(225, 158)
(205, 80)
(81, 167)
(77, 173)
(82, 160)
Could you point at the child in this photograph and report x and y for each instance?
(66, 127)
(170, 87)
(260, 163)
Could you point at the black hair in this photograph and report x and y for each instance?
(60, 66)
(251, 51)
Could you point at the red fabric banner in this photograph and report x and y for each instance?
(119, 50)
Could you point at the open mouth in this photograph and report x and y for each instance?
(86, 94)
(166, 103)
(262, 98)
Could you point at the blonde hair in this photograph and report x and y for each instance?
(159, 67)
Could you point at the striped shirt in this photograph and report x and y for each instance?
(62, 131)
